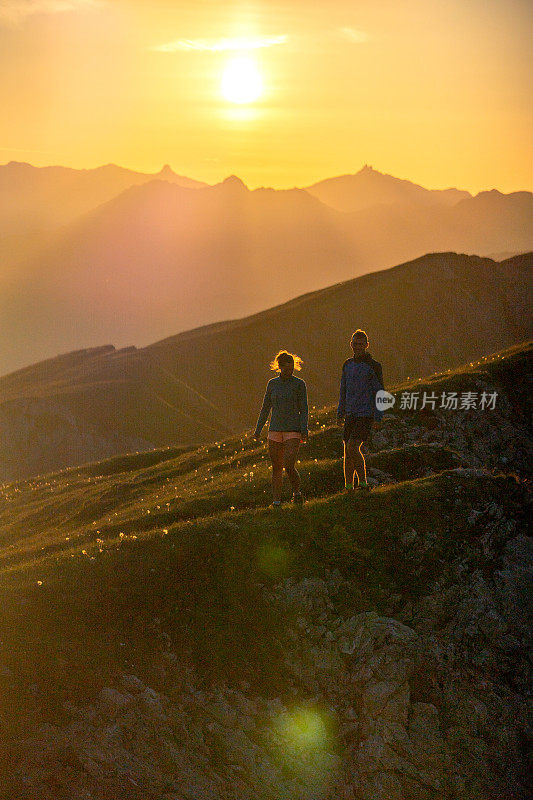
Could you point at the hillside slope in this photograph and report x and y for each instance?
(423, 316)
(167, 636)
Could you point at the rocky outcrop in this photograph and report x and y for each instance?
(426, 703)
(39, 435)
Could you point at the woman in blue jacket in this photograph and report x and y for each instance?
(361, 380)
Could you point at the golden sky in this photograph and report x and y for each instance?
(436, 91)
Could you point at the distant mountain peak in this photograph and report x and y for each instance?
(234, 180)
(369, 187)
(166, 171)
(109, 168)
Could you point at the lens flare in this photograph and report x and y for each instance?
(306, 729)
(273, 560)
(307, 749)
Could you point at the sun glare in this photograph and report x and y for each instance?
(241, 81)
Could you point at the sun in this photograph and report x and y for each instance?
(241, 81)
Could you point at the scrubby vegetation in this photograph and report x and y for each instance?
(170, 563)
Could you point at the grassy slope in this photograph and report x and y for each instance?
(441, 309)
(104, 564)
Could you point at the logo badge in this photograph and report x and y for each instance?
(384, 400)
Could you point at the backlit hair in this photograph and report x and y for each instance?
(359, 334)
(284, 355)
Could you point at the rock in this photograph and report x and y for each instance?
(382, 786)
(113, 699)
(474, 516)
(154, 703)
(426, 738)
(222, 712)
(387, 700)
(133, 684)
(409, 537)
(327, 660)
(413, 790)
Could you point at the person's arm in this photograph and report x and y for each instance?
(376, 384)
(341, 410)
(379, 372)
(265, 410)
(303, 408)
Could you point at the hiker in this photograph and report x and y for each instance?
(361, 378)
(286, 396)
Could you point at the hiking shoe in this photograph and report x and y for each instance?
(298, 499)
(363, 486)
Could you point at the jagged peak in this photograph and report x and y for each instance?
(166, 170)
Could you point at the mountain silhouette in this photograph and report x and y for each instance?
(42, 198)
(368, 187)
(422, 316)
(160, 258)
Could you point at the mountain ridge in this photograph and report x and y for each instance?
(159, 257)
(347, 192)
(440, 309)
(138, 264)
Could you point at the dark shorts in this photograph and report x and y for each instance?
(357, 428)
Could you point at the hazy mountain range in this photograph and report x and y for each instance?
(426, 315)
(86, 261)
(41, 198)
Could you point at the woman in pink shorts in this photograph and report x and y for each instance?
(286, 398)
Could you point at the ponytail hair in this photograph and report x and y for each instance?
(284, 357)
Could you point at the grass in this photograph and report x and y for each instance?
(205, 581)
(109, 566)
(66, 510)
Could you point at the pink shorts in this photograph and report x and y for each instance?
(282, 436)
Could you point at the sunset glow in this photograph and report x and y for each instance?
(241, 81)
(328, 87)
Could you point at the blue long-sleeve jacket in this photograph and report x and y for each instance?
(288, 400)
(360, 380)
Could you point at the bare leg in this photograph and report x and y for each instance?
(354, 462)
(275, 450)
(360, 464)
(289, 459)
